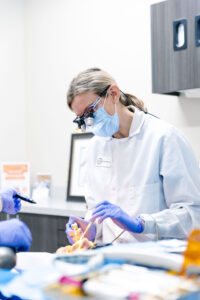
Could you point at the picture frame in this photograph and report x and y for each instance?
(79, 142)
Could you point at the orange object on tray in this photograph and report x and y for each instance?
(80, 243)
(192, 253)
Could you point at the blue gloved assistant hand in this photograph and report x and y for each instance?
(82, 224)
(106, 209)
(14, 233)
(11, 204)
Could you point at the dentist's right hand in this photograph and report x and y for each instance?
(14, 233)
(82, 224)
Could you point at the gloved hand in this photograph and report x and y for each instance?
(81, 224)
(14, 233)
(106, 209)
(11, 204)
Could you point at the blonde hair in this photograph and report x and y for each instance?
(97, 80)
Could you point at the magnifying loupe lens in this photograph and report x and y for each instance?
(90, 121)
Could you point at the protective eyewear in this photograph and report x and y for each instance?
(87, 118)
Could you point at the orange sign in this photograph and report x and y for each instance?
(16, 175)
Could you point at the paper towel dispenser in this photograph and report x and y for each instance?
(175, 44)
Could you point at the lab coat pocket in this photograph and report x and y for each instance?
(144, 198)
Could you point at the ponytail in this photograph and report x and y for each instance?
(130, 100)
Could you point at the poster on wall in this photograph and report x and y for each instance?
(16, 175)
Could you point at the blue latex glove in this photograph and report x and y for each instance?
(14, 233)
(11, 204)
(81, 224)
(106, 209)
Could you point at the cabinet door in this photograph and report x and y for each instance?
(44, 232)
(3, 216)
(174, 70)
(160, 48)
(62, 238)
(182, 62)
(197, 49)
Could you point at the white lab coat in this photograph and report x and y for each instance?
(152, 173)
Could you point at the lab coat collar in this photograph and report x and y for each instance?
(138, 120)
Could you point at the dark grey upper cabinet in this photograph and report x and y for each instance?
(175, 41)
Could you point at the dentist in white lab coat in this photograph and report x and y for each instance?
(142, 179)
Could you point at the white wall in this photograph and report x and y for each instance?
(66, 36)
(12, 105)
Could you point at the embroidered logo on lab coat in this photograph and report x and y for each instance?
(103, 161)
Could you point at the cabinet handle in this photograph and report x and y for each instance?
(197, 31)
(180, 34)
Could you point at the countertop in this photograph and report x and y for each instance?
(55, 207)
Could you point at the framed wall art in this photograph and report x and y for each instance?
(75, 188)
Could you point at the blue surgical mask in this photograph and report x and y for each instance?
(105, 125)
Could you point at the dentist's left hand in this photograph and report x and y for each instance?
(106, 209)
(10, 203)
